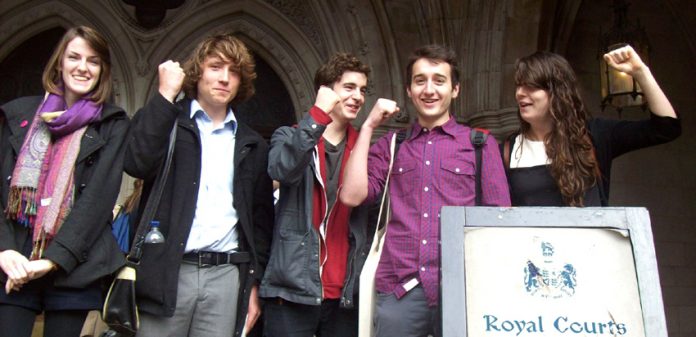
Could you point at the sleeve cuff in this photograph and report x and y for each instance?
(320, 116)
(61, 257)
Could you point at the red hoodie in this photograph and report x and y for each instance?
(335, 246)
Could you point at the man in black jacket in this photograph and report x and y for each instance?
(216, 210)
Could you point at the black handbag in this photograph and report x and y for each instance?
(120, 311)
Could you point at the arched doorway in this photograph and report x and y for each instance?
(271, 106)
(21, 70)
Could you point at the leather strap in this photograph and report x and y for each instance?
(153, 201)
(206, 259)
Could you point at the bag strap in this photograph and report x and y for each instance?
(153, 201)
(478, 139)
(385, 204)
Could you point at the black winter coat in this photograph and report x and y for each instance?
(84, 248)
(158, 273)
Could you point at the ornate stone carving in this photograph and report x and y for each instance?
(301, 13)
(30, 18)
(142, 67)
(288, 62)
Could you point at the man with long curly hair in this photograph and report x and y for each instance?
(216, 210)
(316, 257)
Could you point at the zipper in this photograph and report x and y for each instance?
(349, 273)
(317, 174)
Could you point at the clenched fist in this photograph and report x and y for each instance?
(171, 78)
(383, 110)
(626, 60)
(326, 99)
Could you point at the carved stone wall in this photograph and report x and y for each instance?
(295, 36)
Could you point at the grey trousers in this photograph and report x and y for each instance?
(409, 316)
(206, 304)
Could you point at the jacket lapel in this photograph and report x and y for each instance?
(92, 141)
(242, 145)
(20, 123)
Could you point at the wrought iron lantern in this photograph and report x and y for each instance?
(619, 89)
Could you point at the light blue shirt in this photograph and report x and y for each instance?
(215, 222)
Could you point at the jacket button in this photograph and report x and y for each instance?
(251, 271)
(90, 160)
(82, 187)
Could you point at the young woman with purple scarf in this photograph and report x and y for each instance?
(61, 164)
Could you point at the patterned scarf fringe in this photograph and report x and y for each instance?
(22, 205)
(39, 246)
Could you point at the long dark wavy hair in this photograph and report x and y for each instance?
(573, 164)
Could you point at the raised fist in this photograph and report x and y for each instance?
(171, 78)
(383, 110)
(326, 99)
(625, 59)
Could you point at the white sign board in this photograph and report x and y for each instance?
(549, 272)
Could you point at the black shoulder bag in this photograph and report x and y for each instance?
(120, 310)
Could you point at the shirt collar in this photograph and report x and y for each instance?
(198, 112)
(450, 128)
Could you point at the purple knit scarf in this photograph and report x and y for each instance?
(41, 189)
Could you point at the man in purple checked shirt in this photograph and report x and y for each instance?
(435, 167)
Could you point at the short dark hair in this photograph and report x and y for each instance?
(436, 53)
(226, 46)
(333, 69)
(52, 78)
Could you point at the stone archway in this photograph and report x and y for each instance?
(29, 19)
(21, 71)
(270, 35)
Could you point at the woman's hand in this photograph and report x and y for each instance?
(16, 267)
(626, 60)
(41, 267)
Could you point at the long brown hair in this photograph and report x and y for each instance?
(52, 78)
(569, 146)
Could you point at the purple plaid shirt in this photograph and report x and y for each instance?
(432, 169)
